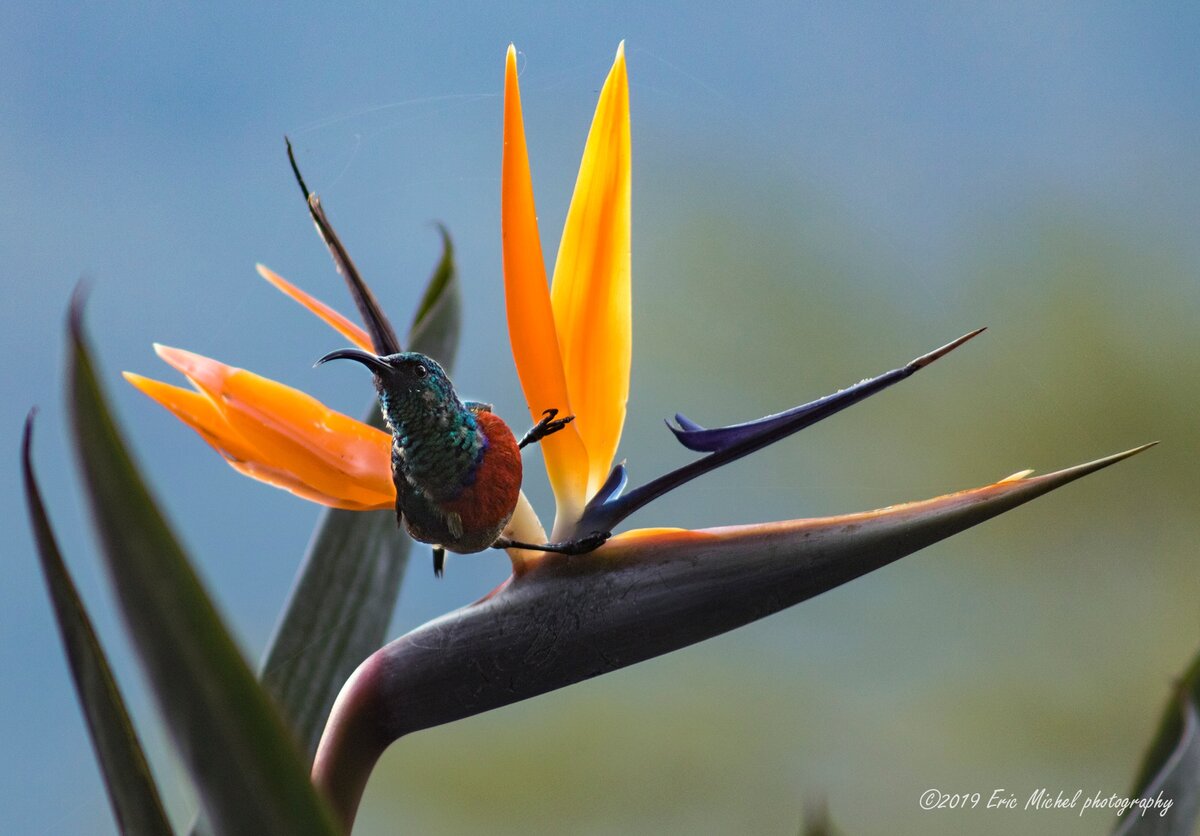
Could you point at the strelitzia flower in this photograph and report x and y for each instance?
(558, 619)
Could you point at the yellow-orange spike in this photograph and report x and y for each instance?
(327, 314)
(200, 413)
(591, 290)
(295, 433)
(289, 482)
(531, 330)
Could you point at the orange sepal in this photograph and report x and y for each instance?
(531, 328)
(591, 289)
(295, 433)
(200, 413)
(289, 482)
(327, 314)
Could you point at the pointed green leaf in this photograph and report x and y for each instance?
(336, 616)
(250, 776)
(131, 788)
(436, 326)
(347, 587)
(1171, 770)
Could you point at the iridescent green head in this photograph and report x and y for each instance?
(437, 443)
(408, 383)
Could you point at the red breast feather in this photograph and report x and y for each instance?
(487, 504)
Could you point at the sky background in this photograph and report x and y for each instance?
(820, 194)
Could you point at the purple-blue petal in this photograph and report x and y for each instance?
(687, 424)
(726, 444)
(695, 437)
(613, 485)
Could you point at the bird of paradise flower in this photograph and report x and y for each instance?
(558, 620)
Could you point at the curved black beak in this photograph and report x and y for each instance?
(375, 364)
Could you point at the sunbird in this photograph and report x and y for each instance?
(456, 465)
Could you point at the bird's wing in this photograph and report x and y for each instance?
(404, 494)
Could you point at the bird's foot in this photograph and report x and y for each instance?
(439, 561)
(581, 545)
(549, 425)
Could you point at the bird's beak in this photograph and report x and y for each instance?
(375, 364)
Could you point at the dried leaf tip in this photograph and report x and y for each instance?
(296, 169)
(925, 359)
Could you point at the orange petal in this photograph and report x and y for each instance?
(201, 414)
(591, 293)
(293, 432)
(290, 483)
(331, 317)
(198, 412)
(531, 330)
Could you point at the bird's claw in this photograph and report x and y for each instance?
(581, 545)
(591, 542)
(549, 425)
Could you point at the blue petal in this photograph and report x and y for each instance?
(612, 487)
(773, 427)
(683, 421)
(726, 444)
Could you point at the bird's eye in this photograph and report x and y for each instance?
(420, 371)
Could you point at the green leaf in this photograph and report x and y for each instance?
(131, 788)
(250, 776)
(346, 591)
(336, 616)
(436, 326)
(1171, 770)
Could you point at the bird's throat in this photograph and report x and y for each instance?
(436, 442)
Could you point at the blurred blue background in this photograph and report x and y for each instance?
(820, 194)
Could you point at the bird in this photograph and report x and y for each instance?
(456, 464)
